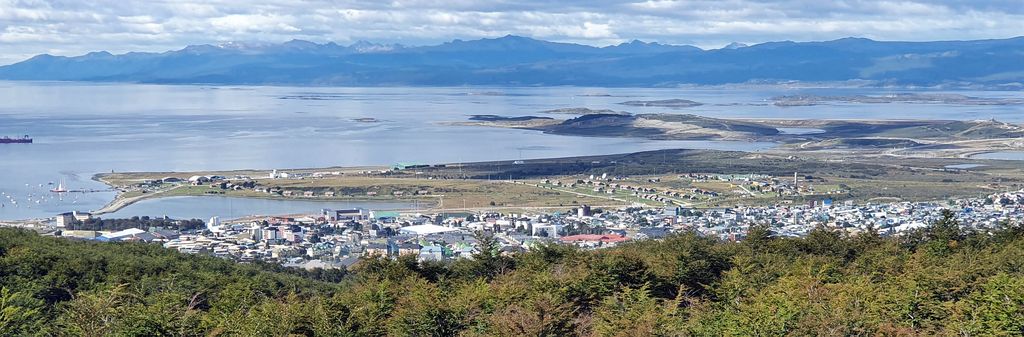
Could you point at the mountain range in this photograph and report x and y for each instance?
(521, 61)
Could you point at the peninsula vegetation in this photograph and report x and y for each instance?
(940, 280)
(933, 137)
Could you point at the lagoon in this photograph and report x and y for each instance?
(1001, 155)
(205, 207)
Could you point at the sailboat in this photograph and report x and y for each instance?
(60, 188)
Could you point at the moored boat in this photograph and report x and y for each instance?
(23, 140)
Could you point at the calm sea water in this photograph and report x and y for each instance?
(1003, 155)
(205, 207)
(84, 129)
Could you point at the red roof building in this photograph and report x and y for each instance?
(594, 239)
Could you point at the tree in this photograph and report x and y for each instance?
(825, 241)
(19, 313)
(944, 235)
(758, 236)
(997, 308)
(542, 315)
(633, 312)
(487, 257)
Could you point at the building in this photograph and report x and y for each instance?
(65, 219)
(594, 240)
(407, 249)
(81, 216)
(122, 235)
(583, 211)
(376, 249)
(431, 253)
(80, 234)
(354, 214)
(425, 230)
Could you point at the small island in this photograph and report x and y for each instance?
(812, 100)
(584, 111)
(664, 103)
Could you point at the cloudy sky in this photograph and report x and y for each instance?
(73, 27)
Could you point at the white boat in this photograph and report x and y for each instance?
(60, 188)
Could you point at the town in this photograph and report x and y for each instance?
(338, 238)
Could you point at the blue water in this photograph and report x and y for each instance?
(84, 129)
(230, 208)
(964, 166)
(1003, 155)
(801, 131)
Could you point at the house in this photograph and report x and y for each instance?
(309, 194)
(512, 250)
(376, 249)
(431, 253)
(408, 248)
(65, 219)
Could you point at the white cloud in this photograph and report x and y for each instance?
(72, 27)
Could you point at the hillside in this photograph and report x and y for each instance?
(939, 281)
(522, 61)
(660, 126)
(834, 133)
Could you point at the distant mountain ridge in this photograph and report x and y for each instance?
(523, 61)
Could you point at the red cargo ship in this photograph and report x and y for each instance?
(22, 140)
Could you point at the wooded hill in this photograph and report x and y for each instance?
(938, 281)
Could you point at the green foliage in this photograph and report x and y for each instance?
(19, 313)
(633, 312)
(939, 281)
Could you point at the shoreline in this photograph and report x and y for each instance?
(926, 143)
(860, 135)
(351, 185)
(120, 203)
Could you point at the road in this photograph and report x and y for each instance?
(120, 202)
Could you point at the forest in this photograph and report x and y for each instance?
(941, 280)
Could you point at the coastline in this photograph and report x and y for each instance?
(466, 186)
(903, 137)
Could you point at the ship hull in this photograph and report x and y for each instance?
(6, 140)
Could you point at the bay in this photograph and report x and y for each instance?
(81, 129)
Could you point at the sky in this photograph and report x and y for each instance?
(75, 27)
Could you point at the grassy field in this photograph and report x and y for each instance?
(475, 185)
(441, 193)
